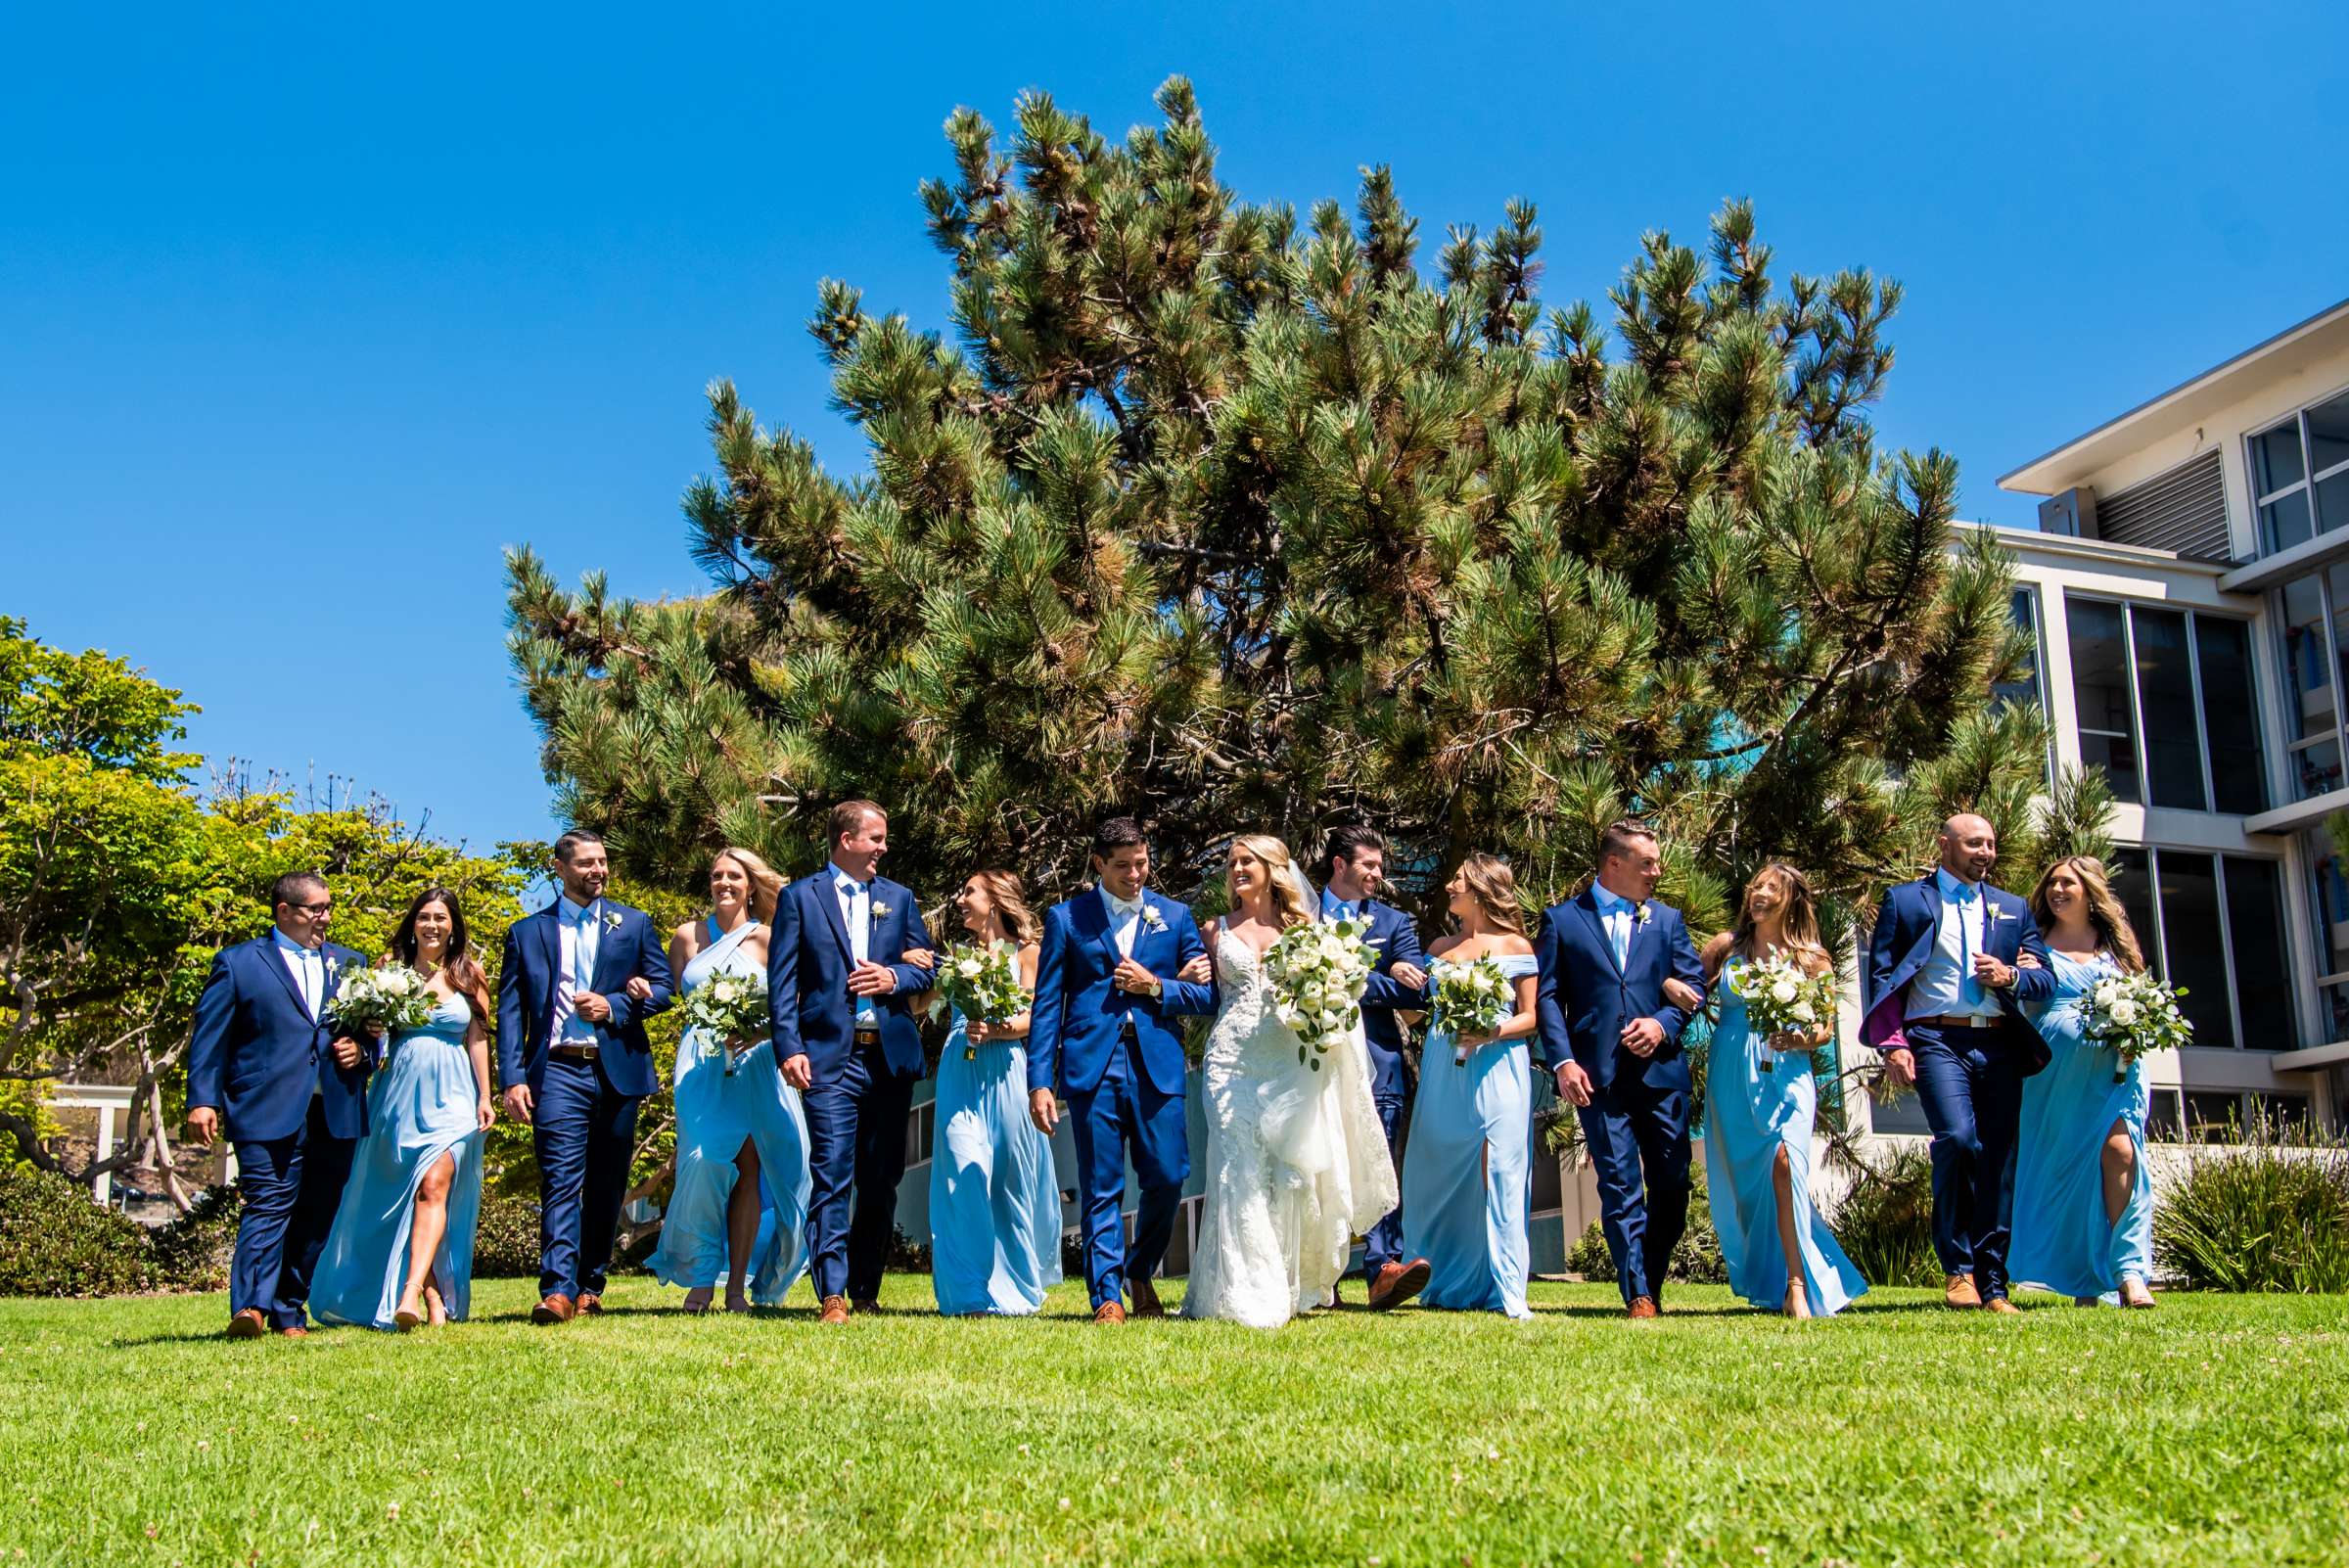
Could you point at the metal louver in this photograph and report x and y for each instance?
(2183, 510)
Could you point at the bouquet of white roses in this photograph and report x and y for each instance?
(1318, 970)
(731, 1012)
(1782, 998)
(2136, 1015)
(1471, 998)
(383, 1000)
(983, 981)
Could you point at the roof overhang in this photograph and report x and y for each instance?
(2183, 407)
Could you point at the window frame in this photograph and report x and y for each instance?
(2309, 480)
(2194, 614)
(2157, 956)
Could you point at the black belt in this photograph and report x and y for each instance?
(1126, 1031)
(574, 1053)
(865, 1036)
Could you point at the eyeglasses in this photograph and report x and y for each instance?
(314, 909)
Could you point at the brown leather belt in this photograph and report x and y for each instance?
(1961, 1021)
(574, 1053)
(868, 1036)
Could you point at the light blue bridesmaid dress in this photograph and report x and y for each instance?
(1467, 1171)
(1750, 1115)
(716, 1114)
(421, 1106)
(994, 1201)
(2062, 1240)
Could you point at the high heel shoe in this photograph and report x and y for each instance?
(1797, 1303)
(2134, 1294)
(436, 1308)
(406, 1319)
(695, 1303)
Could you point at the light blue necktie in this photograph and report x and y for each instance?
(1970, 990)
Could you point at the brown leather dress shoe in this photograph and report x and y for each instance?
(591, 1304)
(836, 1309)
(1641, 1307)
(1999, 1304)
(1146, 1299)
(1109, 1312)
(1958, 1291)
(247, 1324)
(866, 1308)
(1396, 1283)
(555, 1310)
(293, 1331)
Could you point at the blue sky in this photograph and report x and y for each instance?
(306, 313)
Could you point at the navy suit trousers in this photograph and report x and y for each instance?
(1630, 1129)
(855, 1153)
(1126, 1112)
(1384, 1244)
(292, 1187)
(1972, 1084)
(585, 1134)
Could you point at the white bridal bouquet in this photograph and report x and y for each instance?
(984, 982)
(1318, 970)
(2134, 1015)
(731, 1013)
(1782, 998)
(382, 1000)
(1471, 998)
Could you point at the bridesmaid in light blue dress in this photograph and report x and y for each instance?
(1467, 1169)
(739, 1207)
(2083, 1197)
(400, 1251)
(1759, 1102)
(995, 1200)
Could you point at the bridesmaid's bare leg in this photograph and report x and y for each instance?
(742, 1226)
(1781, 1180)
(2120, 1184)
(426, 1228)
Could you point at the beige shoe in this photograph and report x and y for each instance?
(1958, 1291)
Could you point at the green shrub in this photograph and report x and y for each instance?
(54, 1241)
(1696, 1260)
(194, 1250)
(1885, 1222)
(1589, 1257)
(2270, 1214)
(505, 1246)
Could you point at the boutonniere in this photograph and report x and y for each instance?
(333, 966)
(1639, 915)
(1152, 918)
(610, 920)
(880, 910)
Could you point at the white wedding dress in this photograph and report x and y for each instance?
(1297, 1163)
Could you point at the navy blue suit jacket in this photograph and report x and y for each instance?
(808, 965)
(256, 1053)
(526, 996)
(1583, 999)
(1906, 926)
(1072, 1032)
(1396, 940)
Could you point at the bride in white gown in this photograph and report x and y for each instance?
(1297, 1163)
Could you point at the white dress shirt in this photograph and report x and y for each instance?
(581, 940)
(856, 913)
(1946, 985)
(309, 967)
(1125, 921)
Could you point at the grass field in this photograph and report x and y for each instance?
(2214, 1430)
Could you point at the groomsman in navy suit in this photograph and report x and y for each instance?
(575, 1064)
(838, 985)
(267, 1066)
(1355, 862)
(1945, 992)
(1106, 989)
(1613, 1039)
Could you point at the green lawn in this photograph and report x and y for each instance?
(2214, 1430)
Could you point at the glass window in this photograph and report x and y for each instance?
(2192, 943)
(2165, 696)
(2263, 981)
(2333, 502)
(2239, 772)
(2099, 641)
(2135, 888)
(2329, 435)
(2163, 1120)
(2308, 662)
(2276, 459)
(2328, 913)
(2028, 687)
(2213, 1116)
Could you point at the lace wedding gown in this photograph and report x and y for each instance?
(1297, 1162)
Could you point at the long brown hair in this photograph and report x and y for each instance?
(1494, 886)
(1007, 901)
(767, 883)
(464, 971)
(2105, 911)
(1798, 920)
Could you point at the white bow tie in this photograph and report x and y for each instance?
(1122, 907)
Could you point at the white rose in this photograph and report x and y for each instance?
(1802, 1012)
(969, 968)
(2124, 1012)
(1785, 991)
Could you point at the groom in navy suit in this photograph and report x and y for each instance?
(838, 983)
(1613, 1039)
(575, 1064)
(1106, 990)
(1353, 859)
(1944, 995)
(267, 1066)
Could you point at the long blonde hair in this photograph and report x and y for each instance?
(1494, 886)
(1008, 897)
(1280, 867)
(1798, 920)
(767, 884)
(2105, 911)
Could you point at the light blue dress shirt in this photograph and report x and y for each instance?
(1946, 985)
(582, 940)
(1615, 915)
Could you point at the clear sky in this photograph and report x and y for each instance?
(305, 313)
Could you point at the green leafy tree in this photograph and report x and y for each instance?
(1236, 520)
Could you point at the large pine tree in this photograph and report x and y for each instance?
(1234, 521)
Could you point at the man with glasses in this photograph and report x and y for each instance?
(267, 1067)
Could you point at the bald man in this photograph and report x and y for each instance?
(1943, 1007)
